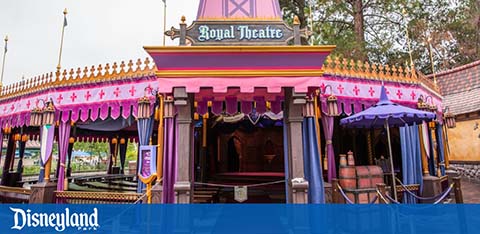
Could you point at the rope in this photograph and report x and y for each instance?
(232, 186)
(444, 194)
(424, 198)
(140, 198)
(344, 195)
(382, 197)
(391, 199)
(145, 194)
(374, 200)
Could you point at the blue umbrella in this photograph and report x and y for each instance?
(386, 114)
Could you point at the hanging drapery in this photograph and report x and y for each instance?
(411, 159)
(423, 149)
(123, 154)
(285, 159)
(8, 159)
(426, 142)
(311, 161)
(145, 129)
(113, 154)
(440, 148)
(47, 133)
(21, 153)
(170, 159)
(63, 141)
(328, 124)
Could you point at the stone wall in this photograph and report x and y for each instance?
(464, 141)
(469, 170)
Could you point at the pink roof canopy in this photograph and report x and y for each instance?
(239, 10)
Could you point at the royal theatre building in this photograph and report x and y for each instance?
(239, 111)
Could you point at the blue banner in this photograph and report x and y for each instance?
(242, 219)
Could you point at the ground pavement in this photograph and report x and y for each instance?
(471, 191)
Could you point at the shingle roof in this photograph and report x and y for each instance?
(460, 88)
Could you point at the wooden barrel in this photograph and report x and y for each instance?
(347, 177)
(369, 176)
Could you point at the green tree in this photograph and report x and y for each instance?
(375, 30)
(100, 149)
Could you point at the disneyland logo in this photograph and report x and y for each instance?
(58, 221)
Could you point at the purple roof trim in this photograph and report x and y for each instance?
(395, 114)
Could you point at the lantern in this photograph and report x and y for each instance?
(309, 109)
(36, 117)
(144, 108)
(168, 107)
(332, 105)
(17, 137)
(122, 141)
(421, 105)
(49, 114)
(25, 138)
(71, 140)
(449, 119)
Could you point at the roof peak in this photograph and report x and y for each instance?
(238, 10)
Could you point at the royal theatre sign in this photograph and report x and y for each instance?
(237, 33)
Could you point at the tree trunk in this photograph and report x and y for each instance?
(477, 15)
(358, 22)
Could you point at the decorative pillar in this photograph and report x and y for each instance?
(113, 155)
(296, 31)
(23, 143)
(71, 142)
(423, 150)
(183, 186)
(298, 186)
(183, 31)
(123, 154)
(8, 158)
(16, 137)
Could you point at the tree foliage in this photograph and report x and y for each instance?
(376, 30)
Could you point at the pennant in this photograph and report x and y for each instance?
(46, 142)
(6, 49)
(65, 21)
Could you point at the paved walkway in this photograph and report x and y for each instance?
(471, 191)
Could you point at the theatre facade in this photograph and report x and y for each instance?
(239, 111)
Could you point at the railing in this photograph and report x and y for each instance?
(77, 76)
(71, 197)
(123, 70)
(350, 68)
(14, 195)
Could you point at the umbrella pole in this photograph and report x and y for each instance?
(391, 160)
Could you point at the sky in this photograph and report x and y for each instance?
(97, 32)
